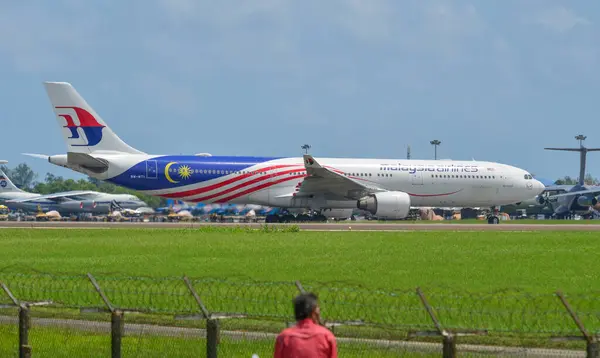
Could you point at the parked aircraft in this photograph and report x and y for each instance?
(387, 188)
(579, 199)
(65, 202)
(541, 204)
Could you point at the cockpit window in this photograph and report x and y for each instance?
(528, 177)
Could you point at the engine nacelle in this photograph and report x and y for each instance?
(337, 213)
(540, 200)
(59, 159)
(390, 204)
(586, 201)
(77, 206)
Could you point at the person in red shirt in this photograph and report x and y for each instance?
(307, 338)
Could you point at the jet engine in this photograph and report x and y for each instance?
(390, 204)
(586, 201)
(540, 200)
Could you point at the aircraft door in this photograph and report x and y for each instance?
(151, 169)
(417, 178)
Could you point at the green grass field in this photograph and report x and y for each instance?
(499, 281)
(539, 262)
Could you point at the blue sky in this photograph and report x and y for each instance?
(493, 80)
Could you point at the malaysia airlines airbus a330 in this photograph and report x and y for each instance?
(387, 188)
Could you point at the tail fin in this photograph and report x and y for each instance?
(83, 129)
(6, 185)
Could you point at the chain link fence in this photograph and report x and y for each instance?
(55, 315)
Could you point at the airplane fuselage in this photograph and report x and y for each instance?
(272, 181)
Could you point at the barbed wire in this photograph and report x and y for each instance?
(502, 311)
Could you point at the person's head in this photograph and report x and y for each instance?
(306, 305)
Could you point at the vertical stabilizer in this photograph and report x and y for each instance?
(83, 129)
(6, 185)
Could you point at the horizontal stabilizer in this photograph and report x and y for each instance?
(42, 156)
(86, 161)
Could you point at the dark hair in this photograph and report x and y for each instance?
(304, 305)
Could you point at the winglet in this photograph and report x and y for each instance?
(310, 162)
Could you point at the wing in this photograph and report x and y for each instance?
(59, 197)
(334, 184)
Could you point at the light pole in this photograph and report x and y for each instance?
(580, 138)
(435, 144)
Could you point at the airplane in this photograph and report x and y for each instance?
(387, 188)
(579, 198)
(81, 201)
(540, 204)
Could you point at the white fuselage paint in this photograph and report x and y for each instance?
(482, 184)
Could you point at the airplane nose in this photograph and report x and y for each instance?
(538, 186)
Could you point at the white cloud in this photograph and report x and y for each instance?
(560, 19)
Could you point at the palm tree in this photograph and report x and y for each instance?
(306, 147)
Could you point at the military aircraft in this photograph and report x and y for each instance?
(579, 199)
(80, 201)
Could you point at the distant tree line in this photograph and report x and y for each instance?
(588, 180)
(26, 179)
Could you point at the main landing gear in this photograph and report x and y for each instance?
(289, 218)
(493, 216)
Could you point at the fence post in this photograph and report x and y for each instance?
(449, 343)
(302, 290)
(592, 349)
(300, 287)
(24, 323)
(117, 327)
(212, 324)
(117, 323)
(212, 338)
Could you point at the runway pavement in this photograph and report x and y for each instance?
(346, 226)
